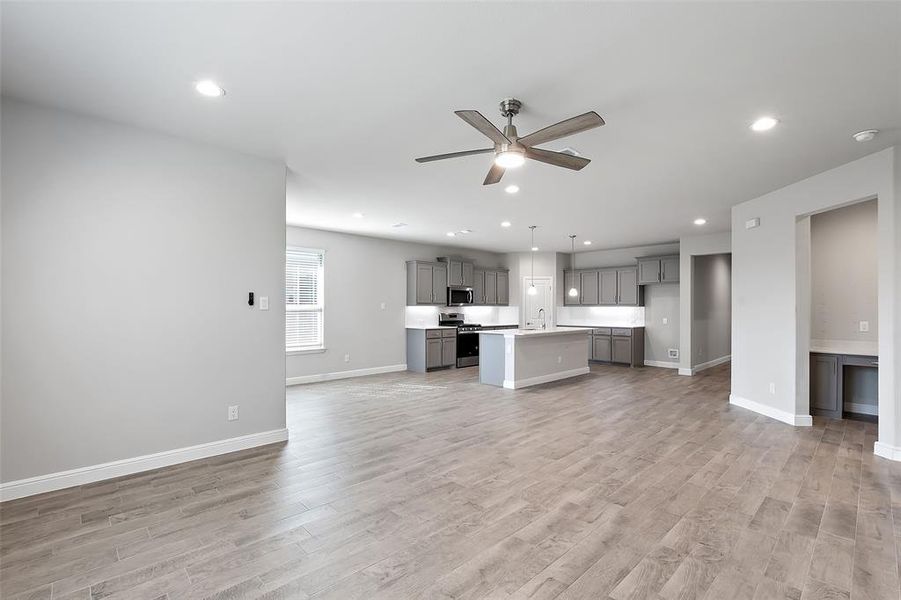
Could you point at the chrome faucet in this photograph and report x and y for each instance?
(542, 318)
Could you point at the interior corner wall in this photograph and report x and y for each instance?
(361, 274)
(689, 248)
(127, 257)
(711, 311)
(766, 347)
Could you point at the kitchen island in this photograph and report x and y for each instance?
(517, 358)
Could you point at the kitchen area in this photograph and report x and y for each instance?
(460, 315)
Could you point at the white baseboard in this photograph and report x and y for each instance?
(773, 413)
(344, 374)
(129, 466)
(711, 363)
(688, 372)
(886, 451)
(862, 409)
(521, 383)
(662, 364)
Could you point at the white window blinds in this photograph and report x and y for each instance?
(303, 299)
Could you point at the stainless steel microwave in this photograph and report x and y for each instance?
(459, 295)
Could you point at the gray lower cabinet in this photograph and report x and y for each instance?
(618, 345)
(829, 381)
(426, 283)
(429, 349)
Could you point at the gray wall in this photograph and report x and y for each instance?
(361, 273)
(127, 258)
(661, 302)
(843, 276)
(711, 311)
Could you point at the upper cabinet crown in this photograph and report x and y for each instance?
(614, 286)
(658, 269)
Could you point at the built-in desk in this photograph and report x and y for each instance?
(830, 383)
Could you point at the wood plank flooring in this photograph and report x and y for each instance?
(622, 484)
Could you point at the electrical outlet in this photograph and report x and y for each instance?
(772, 388)
(347, 358)
(559, 359)
(665, 320)
(673, 352)
(233, 413)
(382, 306)
(864, 326)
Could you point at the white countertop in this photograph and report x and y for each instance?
(430, 327)
(845, 347)
(538, 332)
(618, 326)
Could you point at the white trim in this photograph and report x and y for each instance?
(773, 413)
(521, 383)
(711, 363)
(684, 371)
(861, 409)
(300, 351)
(344, 374)
(129, 466)
(662, 364)
(886, 451)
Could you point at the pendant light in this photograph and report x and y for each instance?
(532, 289)
(573, 291)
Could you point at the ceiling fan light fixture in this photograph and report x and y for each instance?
(509, 159)
(512, 188)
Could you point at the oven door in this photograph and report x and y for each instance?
(459, 296)
(467, 348)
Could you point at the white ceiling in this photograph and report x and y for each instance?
(348, 94)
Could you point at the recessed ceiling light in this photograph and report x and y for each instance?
(700, 221)
(511, 189)
(587, 242)
(209, 88)
(358, 215)
(764, 124)
(865, 135)
(465, 231)
(505, 223)
(534, 248)
(450, 234)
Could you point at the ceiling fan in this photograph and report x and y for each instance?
(511, 151)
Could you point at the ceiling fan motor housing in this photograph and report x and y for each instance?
(510, 107)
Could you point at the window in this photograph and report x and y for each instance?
(303, 299)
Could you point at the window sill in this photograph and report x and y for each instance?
(304, 351)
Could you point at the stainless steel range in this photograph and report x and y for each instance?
(467, 338)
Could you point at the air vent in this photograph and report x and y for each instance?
(674, 353)
(570, 151)
(399, 225)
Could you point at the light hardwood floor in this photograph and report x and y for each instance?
(623, 484)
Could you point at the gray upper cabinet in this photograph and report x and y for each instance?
(478, 286)
(658, 269)
(669, 269)
(503, 288)
(426, 283)
(627, 282)
(490, 287)
(588, 292)
(468, 271)
(454, 272)
(648, 270)
(607, 283)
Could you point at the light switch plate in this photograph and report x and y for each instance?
(752, 223)
(264, 302)
(233, 413)
(864, 326)
(665, 320)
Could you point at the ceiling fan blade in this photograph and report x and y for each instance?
(425, 159)
(589, 120)
(494, 175)
(558, 159)
(477, 120)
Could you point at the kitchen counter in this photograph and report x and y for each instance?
(517, 358)
(539, 332)
(431, 327)
(845, 347)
